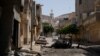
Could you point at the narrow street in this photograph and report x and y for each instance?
(66, 52)
(49, 27)
(82, 51)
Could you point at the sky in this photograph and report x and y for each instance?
(59, 7)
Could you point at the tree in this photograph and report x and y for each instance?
(74, 30)
(47, 28)
(71, 29)
(59, 31)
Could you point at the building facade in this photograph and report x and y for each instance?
(66, 19)
(18, 21)
(6, 22)
(87, 13)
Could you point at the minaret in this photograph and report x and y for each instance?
(52, 14)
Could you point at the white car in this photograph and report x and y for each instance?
(41, 40)
(55, 38)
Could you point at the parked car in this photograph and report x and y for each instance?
(62, 44)
(42, 37)
(41, 41)
(55, 38)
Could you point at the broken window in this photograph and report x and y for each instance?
(80, 1)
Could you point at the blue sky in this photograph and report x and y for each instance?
(59, 7)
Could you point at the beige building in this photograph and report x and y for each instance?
(66, 19)
(48, 18)
(18, 20)
(87, 13)
(31, 24)
(25, 25)
(38, 28)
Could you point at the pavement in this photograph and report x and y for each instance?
(37, 48)
(88, 50)
(26, 47)
(66, 52)
(26, 50)
(94, 49)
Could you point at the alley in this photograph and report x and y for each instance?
(39, 27)
(66, 52)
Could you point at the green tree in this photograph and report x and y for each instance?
(71, 29)
(47, 28)
(74, 30)
(61, 31)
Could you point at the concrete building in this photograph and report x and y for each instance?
(84, 8)
(31, 24)
(25, 25)
(6, 22)
(38, 21)
(87, 13)
(18, 21)
(48, 18)
(66, 19)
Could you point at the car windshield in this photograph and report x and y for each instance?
(42, 38)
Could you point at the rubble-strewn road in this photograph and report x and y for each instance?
(66, 52)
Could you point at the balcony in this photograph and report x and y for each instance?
(90, 19)
(93, 17)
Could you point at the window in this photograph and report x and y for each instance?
(84, 15)
(80, 1)
(21, 8)
(88, 14)
(65, 18)
(80, 16)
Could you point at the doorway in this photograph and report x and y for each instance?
(15, 34)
